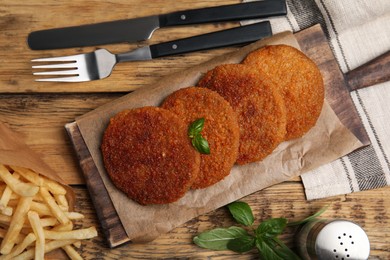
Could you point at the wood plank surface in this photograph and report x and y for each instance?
(41, 119)
(369, 209)
(315, 45)
(19, 18)
(40, 111)
(109, 220)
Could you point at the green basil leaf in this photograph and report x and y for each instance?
(308, 219)
(218, 238)
(194, 142)
(285, 252)
(201, 144)
(241, 212)
(241, 244)
(196, 127)
(197, 140)
(266, 251)
(271, 227)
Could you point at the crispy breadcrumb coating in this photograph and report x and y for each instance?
(221, 130)
(258, 104)
(300, 81)
(149, 156)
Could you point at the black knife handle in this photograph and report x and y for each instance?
(229, 37)
(249, 10)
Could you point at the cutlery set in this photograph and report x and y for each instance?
(100, 63)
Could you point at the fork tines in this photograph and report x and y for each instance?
(68, 66)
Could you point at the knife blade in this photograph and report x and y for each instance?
(139, 29)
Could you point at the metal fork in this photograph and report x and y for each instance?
(100, 63)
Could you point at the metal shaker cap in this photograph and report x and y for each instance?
(342, 240)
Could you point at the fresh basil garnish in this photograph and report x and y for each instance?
(196, 127)
(218, 238)
(264, 237)
(197, 140)
(271, 227)
(241, 212)
(241, 244)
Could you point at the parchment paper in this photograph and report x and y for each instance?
(13, 151)
(325, 142)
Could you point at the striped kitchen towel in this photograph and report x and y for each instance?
(357, 31)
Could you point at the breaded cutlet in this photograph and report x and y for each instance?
(300, 80)
(221, 130)
(258, 104)
(148, 155)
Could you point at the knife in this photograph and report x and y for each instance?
(139, 29)
(100, 63)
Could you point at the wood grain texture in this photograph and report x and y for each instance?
(30, 108)
(19, 18)
(315, 45)
(111, 225)
(374, 72)
(369, 209)
(41, 119)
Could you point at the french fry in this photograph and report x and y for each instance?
(48, 222)
(55, 209)
(74, 215)
(53, 187)
(63, 227)
(62, 201)
(4, 219)
(45, 222)
(77, 244)
(27, 241)
(35, 222)
(78, 234)
(41, 208)
(16, 225)
(43, 203)
(50, 246)
(38, 198)
(18, 239)
(71, 252)
(5, 198)
(40, 181)
(14, 196)
(21, 188)
(29, 175)
(7, 211)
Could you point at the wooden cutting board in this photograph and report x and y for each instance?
(313, 43)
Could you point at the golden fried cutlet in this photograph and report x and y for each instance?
(259, 106)
(149, 156)
(221, 130)
(300, 80)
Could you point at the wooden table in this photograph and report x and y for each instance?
(40, 111)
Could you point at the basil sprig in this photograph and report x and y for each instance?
(197, 140)
(264, 237)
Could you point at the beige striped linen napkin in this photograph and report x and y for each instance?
(357, 31)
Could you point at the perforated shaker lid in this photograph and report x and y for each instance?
(342, 240)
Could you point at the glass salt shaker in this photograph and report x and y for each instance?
(332, 239)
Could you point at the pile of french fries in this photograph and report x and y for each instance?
(35, 217)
